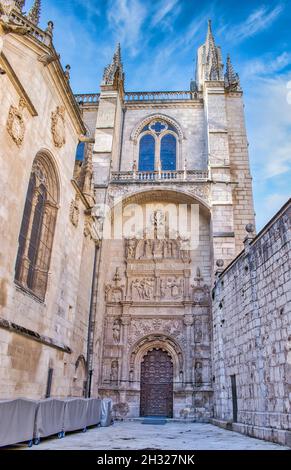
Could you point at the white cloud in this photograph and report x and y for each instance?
(266, 65)
(270, 204)
(125, 20)
(256, 22)
(166, 11)
(269, 123)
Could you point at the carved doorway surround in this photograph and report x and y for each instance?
(156, 395)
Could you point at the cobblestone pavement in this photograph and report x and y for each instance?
(176, 436)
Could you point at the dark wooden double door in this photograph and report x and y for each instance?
(156, 396)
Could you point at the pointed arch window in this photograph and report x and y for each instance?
(158, 147)
(37, 228)
(168, 152)
(147, 153)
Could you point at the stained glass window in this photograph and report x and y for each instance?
(168, 152)
(147, 153)
(80, 152)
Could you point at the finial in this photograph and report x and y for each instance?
(20, 4)
(231, 78)
(250, 228)
(115, 69)
(34, 12)
(219, 263)
(212, 56)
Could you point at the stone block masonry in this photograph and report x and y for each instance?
(252, 336)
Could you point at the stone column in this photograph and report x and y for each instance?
(188, 322)
(187, 274)
(125, 322)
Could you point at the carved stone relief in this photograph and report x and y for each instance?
(75, 211)
(200, 291)
(15, 123)
(201, 190)
(143, 288)
(172, 287)
(147, 249)
(58, 126)
(114, 292)
(144, 327)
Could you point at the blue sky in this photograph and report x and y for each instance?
(159, 41)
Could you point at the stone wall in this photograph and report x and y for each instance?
(36, 335)
(251, 334)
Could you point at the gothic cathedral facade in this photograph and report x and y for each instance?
(85, 308)
(162, 151)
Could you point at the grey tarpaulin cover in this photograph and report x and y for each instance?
(17, 419)
(93, 411)
(75, 414)
(49, 417)
(106, 412)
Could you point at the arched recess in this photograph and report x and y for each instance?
(156, 341)
(153, 117)
(119, 201)
(38, 225)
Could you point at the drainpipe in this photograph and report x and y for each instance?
(90, 336)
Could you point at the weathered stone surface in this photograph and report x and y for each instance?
(251, 334)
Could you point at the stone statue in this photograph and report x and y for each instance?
(198, 374)
(116, 331)
(131, 245)
(114, 371)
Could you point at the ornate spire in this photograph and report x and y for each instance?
(113, 73)
(231, 78)
(212, 56)
(34, 12)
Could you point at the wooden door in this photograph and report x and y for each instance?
(156, 384)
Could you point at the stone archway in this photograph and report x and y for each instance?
(156, 386)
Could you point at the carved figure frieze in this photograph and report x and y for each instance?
(15, 123)
(143, 288)
(58, 126)
(147, 249)
(172, 287)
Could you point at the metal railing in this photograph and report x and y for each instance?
(164, 175)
